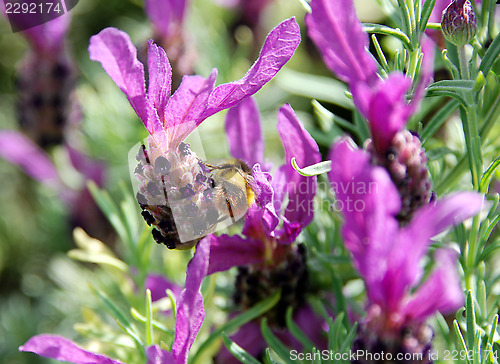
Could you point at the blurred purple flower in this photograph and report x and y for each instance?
(263, 240)
(339, 35)
(19, 150)
(190, 316)
(250, 10)
(388, 256)
(196, 98)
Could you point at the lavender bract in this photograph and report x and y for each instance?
(267, 256)
(170, 119)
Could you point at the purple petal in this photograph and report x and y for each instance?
(186, 106)
(278, 48)
(158, 356)
(190, 312)
(60, 348)
(299, 144)
(158, 284)
(369, 202)
(160, 78)
(279, 184)
(231, 251)
(388, 110)
(118, 56)
(19, 150)
(46, 38)
(165, 14)
(431, 220)
(261, 184)
(441, 291)
(339, 35)
(244, 133)
(405, 270)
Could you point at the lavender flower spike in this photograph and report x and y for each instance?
(388, 256)
(167, 163)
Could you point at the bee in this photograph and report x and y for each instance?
(232, 191)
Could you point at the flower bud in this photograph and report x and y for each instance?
(459, 23)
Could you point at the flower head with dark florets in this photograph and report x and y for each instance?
(388, 257)
(172, 181)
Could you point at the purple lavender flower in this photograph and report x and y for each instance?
(46, 78)
(459, 22)
(250, 10)
(388, 257)
(21, 151)
(167, 18)
(338, 33)
(267, 257)
(170, 119)
(190, 316)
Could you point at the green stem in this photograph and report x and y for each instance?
(412, 67)
(464, 71)
(454, 175)
(470, 126)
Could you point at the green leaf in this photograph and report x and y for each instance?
(486, 178)
(156, 324)
(493, 330)
(470, 315)
(438, 153)
(460, 338)
(449, 93)
(149, 318)
(426, 13)
(118, 315)
(296, 331)
(326, 118)
(314, 170)
(274, 343)
(314, 87)
(438, 120)
(490, 56)
(255, 311)
(383, 29)
(452, 85)
(268, 359)
(239, 353)
(349, 339)
(381, 55)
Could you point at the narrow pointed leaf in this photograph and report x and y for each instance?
(314, 170)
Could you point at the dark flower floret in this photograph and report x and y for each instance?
(162, 165)
(185, 149)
